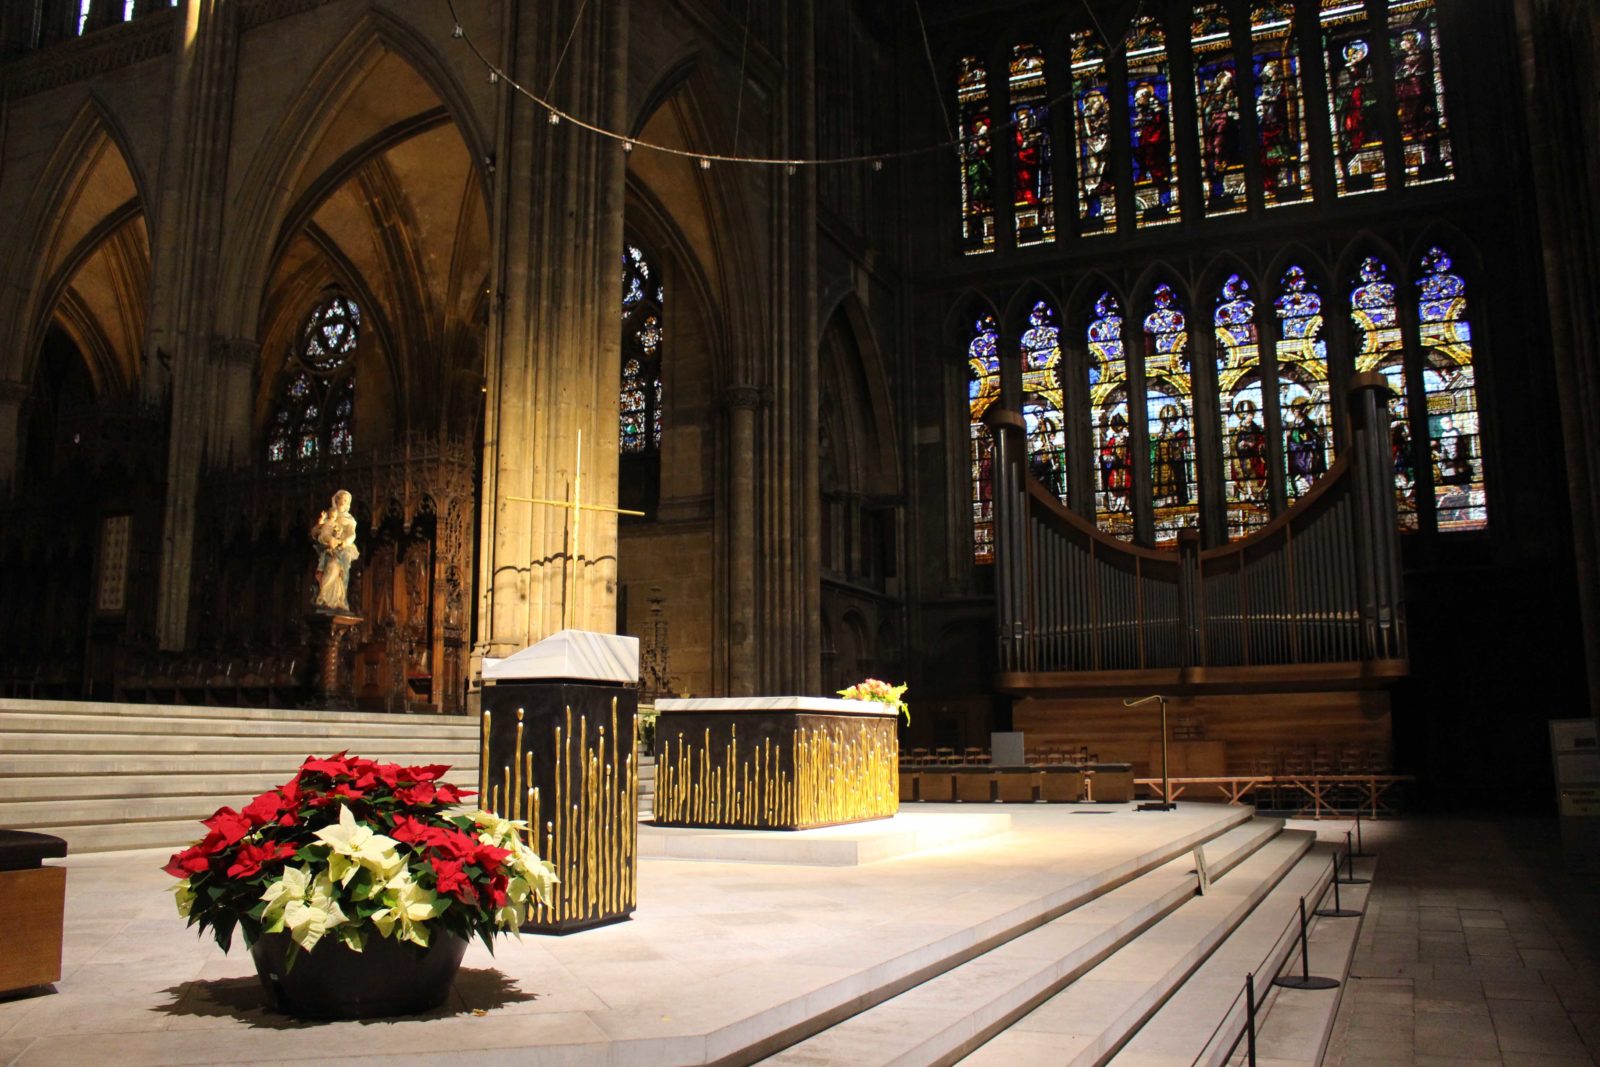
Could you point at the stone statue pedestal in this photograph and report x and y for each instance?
(328, 631)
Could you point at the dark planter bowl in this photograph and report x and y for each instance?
(331, 982)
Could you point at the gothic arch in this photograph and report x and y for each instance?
(87, 209)
(850, 357)
(277, 178)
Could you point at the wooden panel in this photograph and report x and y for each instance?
(32, 905)
(1259, 731)
(1191, 759)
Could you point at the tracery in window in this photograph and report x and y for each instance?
(639, 405)
(977, 156)
(1217, 111)
(1281, 140)
(1154, 149)
(1091, 113)
(1419, 91)
(1303, 403)
(639, 402)
(1380, 347)
(1168, 414)
(983, 389)
(1244, 435)
(315, 413)
(1108, 406)
(1353, 111)
(1032, 169)
(1042, 405)
(1455, 447)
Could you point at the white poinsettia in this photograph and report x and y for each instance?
(307, 923)
(353, 846)
(292, 886)
(185, 897)
(493, 830)
(409, 905)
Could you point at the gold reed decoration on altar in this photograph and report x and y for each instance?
(829, 773)
(589, 830)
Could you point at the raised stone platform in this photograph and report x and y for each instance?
(828, 846)
(724, 962)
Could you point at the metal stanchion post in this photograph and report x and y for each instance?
(1338, 911)
(1250, 1016)
(1350, 866)
(1360, 852)
(1305, 979)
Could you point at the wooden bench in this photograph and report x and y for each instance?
(32, 906)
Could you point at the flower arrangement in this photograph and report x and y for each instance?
(349, 848)
(879, 692)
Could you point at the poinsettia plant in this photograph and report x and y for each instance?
(349, 848)
(879, 692)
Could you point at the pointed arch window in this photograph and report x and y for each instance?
(977, 156)
(1353, 112)
(983, 389)
(1303, 402)
(1155, 151)
(1169, 411)
(1091, 114)
(1381, 348)
(1032, 169)
(1108, 407)
(314, 418)
(1281, 140)
(1419, 91)
(1042, 406)
(1217, 112)
(1244, 436)
(640, 401)
(1454, 445)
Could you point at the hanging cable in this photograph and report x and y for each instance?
(705, 159)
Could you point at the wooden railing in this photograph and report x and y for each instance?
(1319, 584)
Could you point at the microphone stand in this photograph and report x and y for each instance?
(1165, 803)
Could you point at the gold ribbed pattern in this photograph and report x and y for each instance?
(836, 772)
(587, 827)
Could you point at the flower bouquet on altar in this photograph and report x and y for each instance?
(879, 692)
(356, 867)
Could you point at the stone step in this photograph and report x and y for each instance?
(36, 742)
(94, 786)
(95, 709)
(12, 722)
(951, 1013)
(1179, 1033)
(1293, 1026)
(1092, 1018)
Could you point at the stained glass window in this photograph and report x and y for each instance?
(1419, 91)
(1031, 165)
(1108, 406)
(1380, 347)
(1353, 110)
(1154, 150)
(983, 389)
(639, 405)
(1217, 111)
(1454, 445)
(1042, 405)
(1168, 413)
(1244, 435)
(1280, 105)
(316, 410)
(1302, 384)
(977, 156)
(1091, 116)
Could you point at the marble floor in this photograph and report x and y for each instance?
(1479, 946)
(719, 954)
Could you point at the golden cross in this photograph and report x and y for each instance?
(577, 507)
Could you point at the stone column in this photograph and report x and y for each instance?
(743, 669)
(552, 356)
(185, 247)
(234, 363)
(12, 396)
